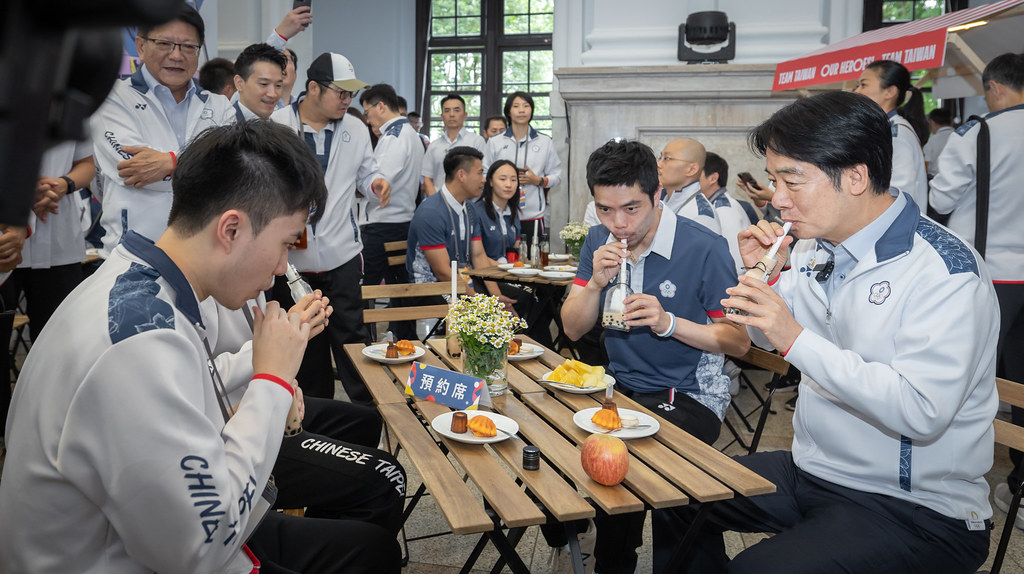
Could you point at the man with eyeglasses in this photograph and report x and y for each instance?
(329, 253)
(679, 167)
(147, 119)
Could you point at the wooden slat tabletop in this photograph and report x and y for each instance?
(694, 481)
(641, 479)
(465, 515)
(517, 380)
(666, 470)
(498, 274)
(380, 385)
(741, 479)
(495, 484)
(565, 456)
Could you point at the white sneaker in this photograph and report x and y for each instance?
(560, 560)
(1002, 498)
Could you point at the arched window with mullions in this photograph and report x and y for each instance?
(484, 49)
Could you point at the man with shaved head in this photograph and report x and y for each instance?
(679, 167)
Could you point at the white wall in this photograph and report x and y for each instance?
(378, 37)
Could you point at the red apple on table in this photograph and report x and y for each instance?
(605, 459)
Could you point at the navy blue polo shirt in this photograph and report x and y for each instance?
(688, 268)
(497, 244)
(440, 223)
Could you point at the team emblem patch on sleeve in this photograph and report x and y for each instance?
(668, 289)
(207, 114)
(880, 292)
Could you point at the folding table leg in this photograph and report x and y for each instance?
(514, 536)
(474, 555)
(688, 540)
(574, 547)
(507, 551)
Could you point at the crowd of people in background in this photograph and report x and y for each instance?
(232, 178)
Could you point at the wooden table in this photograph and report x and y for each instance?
(668, 469)
(549, 297)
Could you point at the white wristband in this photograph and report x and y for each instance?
(671, 327)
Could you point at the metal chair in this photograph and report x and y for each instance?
(778, 367)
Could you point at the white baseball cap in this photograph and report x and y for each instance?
(336, 69)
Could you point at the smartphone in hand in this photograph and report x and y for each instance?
(748, 179)
(301, 3)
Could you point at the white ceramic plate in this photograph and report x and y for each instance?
(527, 351)
(524, 272)
(443, 425)
(582, 420)
(573, 389)
(557, 275)
(378, 352)
(507, 266)
(571, 268)
(558, 256)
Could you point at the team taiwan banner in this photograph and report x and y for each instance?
(456, 390)
(916, 52)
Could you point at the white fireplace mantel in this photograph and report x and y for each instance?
(716, 104)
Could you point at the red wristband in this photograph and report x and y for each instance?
(280, 34)
(274, 379)
(174, 161)
(786, 352)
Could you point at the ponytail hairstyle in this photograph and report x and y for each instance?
(895, 74)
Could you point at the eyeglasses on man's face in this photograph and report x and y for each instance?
(343, 94)
(664, 157)
(166, 47)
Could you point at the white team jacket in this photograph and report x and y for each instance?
(903, 361)
(58, 240)
(399, 156)
(537, 152)
(954, 189)
(908, 174)
(132, 116)
(119, 458)
(691, 204)
(350, 164)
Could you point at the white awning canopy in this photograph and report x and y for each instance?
(954, 47)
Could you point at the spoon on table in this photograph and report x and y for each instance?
(637, 427)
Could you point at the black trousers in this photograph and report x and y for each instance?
(44, 290)
(376, 268)
(291, 545)
(619, 535)
(316, 376)
(823, 527)
(334, 470)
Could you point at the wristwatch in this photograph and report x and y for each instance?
(72, 186)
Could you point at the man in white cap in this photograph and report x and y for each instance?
(328, 255)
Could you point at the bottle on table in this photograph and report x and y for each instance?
(524, 255)
(545, 247)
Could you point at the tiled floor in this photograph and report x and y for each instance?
(447, 554)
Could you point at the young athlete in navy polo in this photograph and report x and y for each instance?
(672, 357)
(446, 227)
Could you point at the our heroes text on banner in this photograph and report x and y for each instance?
(449, 388)
(917, 52)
